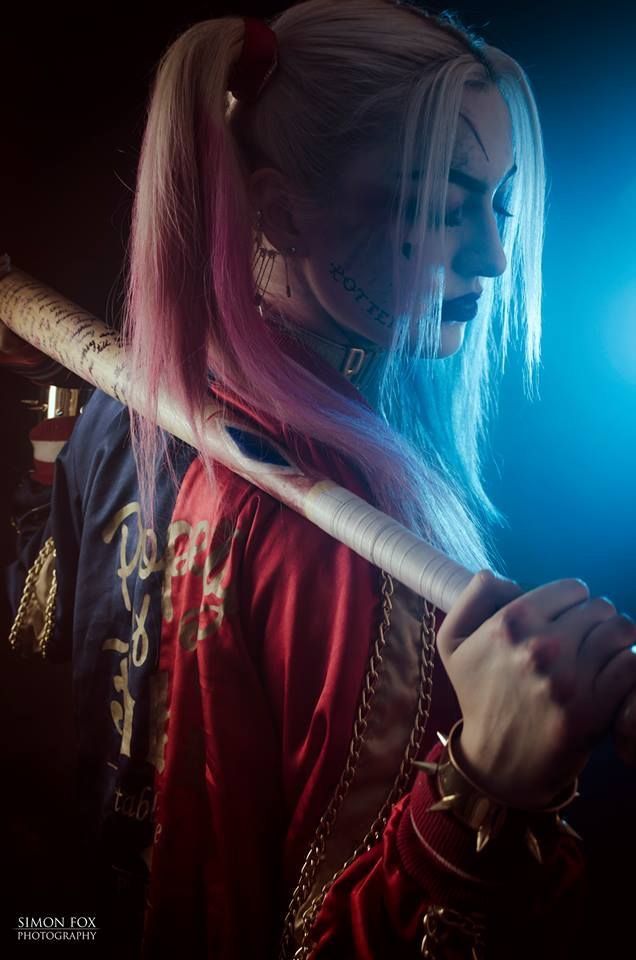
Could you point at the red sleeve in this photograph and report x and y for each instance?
(376, 908)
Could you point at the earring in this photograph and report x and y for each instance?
(292, 251)
(263, 274)
(262, 263)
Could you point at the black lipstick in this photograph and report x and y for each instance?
(461, 309)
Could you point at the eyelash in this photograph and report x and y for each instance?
(453, 217)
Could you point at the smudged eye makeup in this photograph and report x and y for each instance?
(454, 215)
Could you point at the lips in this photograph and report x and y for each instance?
(460, 310)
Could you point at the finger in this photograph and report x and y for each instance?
(604, 641)
(572, 629)
(484, 596)
(530, 612)
(615, 682)
(586, 615)
(625, 729)
(577, 646)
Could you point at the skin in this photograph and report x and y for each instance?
(339, 273)
(540, 677)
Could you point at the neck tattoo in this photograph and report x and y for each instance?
(382, 316)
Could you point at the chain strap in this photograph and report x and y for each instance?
(400, 785)
(442, 925)
(47, 554)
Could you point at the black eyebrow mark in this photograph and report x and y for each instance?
(475, 134)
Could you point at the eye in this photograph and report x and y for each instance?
(453, 217)
(502, 215)
(500, 204)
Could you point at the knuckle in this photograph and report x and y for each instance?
(484, 579)
(541, 650)
(512, 621)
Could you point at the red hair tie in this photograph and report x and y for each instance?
(257, 62)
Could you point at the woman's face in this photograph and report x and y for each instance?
(344, 262)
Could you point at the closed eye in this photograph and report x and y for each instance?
(454, 216)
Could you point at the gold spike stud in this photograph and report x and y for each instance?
(533, 846)
(427, 767)
(484, 836)
(446, 803)
(565, 827)
(442, 739)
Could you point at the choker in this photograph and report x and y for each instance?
(361, 366)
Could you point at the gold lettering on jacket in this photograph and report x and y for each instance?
(122, 711)
(143, 559)
(159, 715)
(188, 551)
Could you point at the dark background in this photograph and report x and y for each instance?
(73, 88)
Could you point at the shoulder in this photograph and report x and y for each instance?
(99, 463)
(103, 422)
(102, 426)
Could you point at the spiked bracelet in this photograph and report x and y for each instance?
(472, 806)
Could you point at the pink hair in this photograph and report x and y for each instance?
(190, 307)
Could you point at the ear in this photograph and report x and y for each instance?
(281, 223)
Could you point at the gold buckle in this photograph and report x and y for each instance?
(354, 361)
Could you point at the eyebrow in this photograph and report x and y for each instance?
(467, 182)
(464, 180)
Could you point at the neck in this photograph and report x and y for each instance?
(358, 361)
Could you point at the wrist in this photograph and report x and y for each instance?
(468, 801)
(493, 776)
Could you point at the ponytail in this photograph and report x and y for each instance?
(344, 68)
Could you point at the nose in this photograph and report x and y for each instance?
(482, 253)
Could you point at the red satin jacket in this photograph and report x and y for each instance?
(269, 657)
(250, 696)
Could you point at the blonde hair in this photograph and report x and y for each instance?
(348, 70)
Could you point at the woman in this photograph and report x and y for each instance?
(252, 697)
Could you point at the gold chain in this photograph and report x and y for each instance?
(442, 924)
(374, 834)
(46, 554)
(49, 613)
